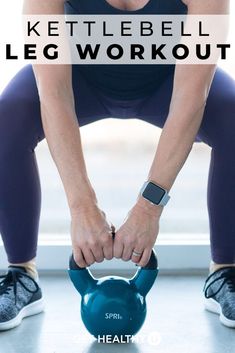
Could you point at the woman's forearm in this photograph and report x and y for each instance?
(63, 136)
(190, 92)
(174, 146)
(181, 126)
(59, 119)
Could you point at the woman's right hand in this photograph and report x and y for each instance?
(91, 235)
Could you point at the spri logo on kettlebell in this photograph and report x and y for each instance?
(113, 316)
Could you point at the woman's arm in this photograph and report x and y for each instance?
(191, 87)
(59, 120)
(190, 92)
(89, 229)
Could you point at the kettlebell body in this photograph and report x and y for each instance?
(113, 305)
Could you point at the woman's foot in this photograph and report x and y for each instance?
(20, 296)
(219, 291)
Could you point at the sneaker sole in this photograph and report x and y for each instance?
(28, 310)
(213, 306)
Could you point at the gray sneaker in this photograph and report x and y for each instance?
(219, 291)
(20, 296)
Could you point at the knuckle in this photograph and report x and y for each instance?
(130, 241)
(90, 262)
(106, 240)
(93, 243)
(99, 259)
(125, 258)
(135, 259)
(117, 251)
(79, 261)
(142, 263)
(77, 257)
(77, 243)
(117, 254)
(108, 253)
(108, 257)
(120, 236)
(82, 244)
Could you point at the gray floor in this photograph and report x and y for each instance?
(176, 321)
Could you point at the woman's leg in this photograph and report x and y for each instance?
(218, 131)
(20, 131)
(20, 193)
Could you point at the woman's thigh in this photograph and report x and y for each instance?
(218, 125)
(20, 107)
(20, 116)
(20, 120)
(218, 122)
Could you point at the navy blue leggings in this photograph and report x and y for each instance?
(21, 130)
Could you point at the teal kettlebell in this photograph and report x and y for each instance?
(113, 305)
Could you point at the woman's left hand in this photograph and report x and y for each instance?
(138, 233)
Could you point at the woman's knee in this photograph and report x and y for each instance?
(20, 123)
(218, 123)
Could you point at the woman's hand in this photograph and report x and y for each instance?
(138, 233)
(91, 236)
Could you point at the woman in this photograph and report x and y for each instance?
(54, 101)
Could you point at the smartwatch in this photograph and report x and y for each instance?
(154, 193)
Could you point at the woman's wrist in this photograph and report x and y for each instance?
(84, 210)
(85, 200)
(147, 207)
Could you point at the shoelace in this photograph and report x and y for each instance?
(11, 278)
(228, 277)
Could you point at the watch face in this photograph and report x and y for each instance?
(153, 193)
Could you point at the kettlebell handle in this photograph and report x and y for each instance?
(143, 279)
(151, 265)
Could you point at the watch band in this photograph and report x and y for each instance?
(143, 187)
